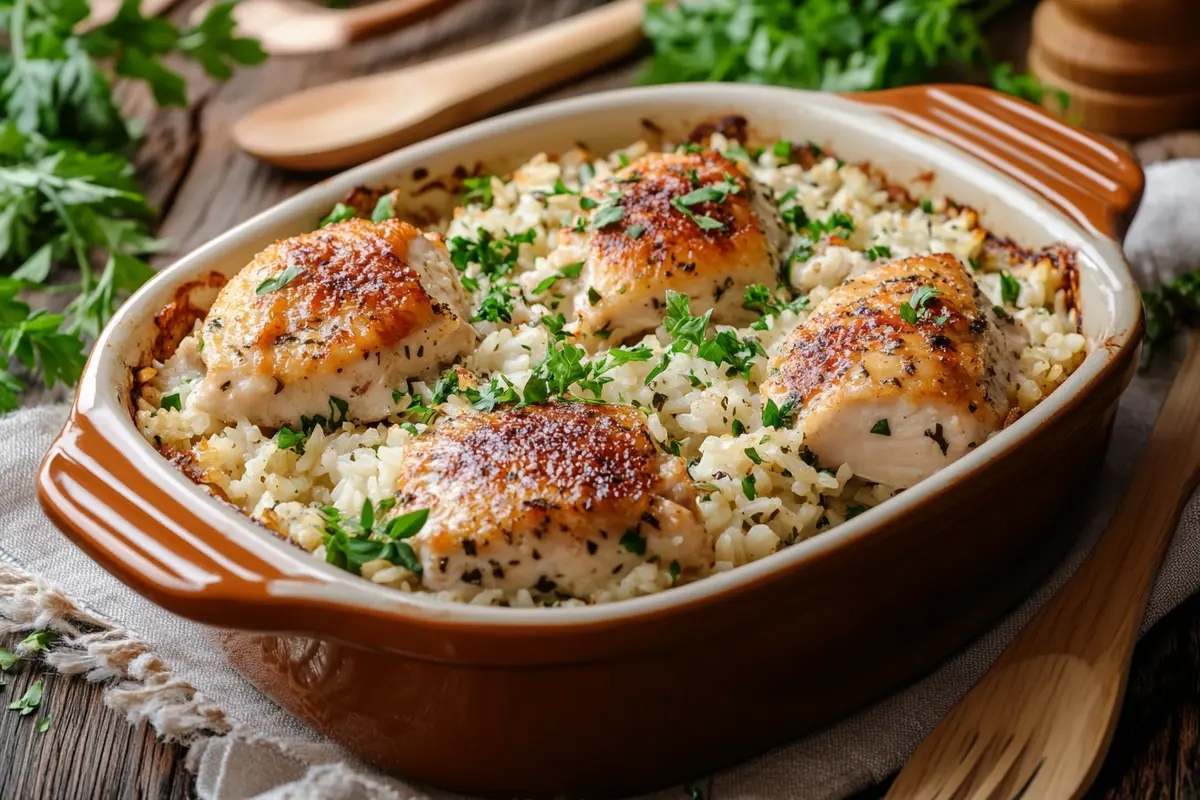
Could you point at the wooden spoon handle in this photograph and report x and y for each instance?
(385, 15)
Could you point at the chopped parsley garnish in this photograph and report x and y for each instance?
(446, 386)
(635, 231)
(383, 209)
(171, 401)
(569, 271)
(836, 224)
(881, 428)
(479, 191)
(758, 297)
(917, 307)
(737, 426)
(879, 251)
(277, 282)
(926, 205)
(608, 211)
(1010, 289)
(854, 510)
(748, 487)
(753, 455)
(498, 304)
(559, 188)
(714, 193)
(338, 411)
(350, 543)
(555, 324)
(29, 701)
(587, 172)
(288, 439)
(593, 296)
(340, 213)
(633, 542)
(778, 416)
(496, 258)
(673, 571)
(1002, 314)
(723, 347)
(783, 150)
(492, 395)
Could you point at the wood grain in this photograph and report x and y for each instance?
(202, 185)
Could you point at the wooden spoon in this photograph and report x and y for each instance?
(348, 122)
(1040, 721)
(297, 27)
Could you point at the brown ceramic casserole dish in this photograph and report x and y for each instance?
(613, 699)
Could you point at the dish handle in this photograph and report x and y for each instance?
(1094, 181)
(170, 546)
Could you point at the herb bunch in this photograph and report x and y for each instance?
(68, 196)
(832, 45)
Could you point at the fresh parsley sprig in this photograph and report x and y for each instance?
(832, 45)
(68, 198)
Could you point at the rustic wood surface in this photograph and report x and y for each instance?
(203, 186)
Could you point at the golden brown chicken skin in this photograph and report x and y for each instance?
(562, 499)
(669, 237)
(893, 378)
(350, 312)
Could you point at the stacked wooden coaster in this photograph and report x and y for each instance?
(1131, 67)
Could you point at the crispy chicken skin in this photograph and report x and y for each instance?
(540, 497)
(627, 276)
(893, 399)
(370, 306)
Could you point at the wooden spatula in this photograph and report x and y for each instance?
(296, 27)
(1040, 721)
(348, 122)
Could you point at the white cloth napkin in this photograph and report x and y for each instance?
(271, 755)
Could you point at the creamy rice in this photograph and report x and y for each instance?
(692, 408)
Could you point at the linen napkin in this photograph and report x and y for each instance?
(244, 746)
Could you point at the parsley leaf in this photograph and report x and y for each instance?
(1010, 289)
(881, 428)
(278, 281)
(480, 191)
(633, 542)
(29, 701)
(777, 416)
(916, 308)
(340, 213)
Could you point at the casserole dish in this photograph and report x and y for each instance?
(608, 700)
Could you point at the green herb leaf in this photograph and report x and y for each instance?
(881, 428)
(29, 701)
(1010, 289)
(879, 251)
(753, 455)
(340, 213)
(383, 209)
(37, 642)
(43, 724)
(288, 439)
(7, 659)
(748, 487)
(777, 416)
(278, 281)
(479, 191)
(170, 401)
(633, 542)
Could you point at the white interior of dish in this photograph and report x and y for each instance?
(1108, 296)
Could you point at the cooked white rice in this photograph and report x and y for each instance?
(692, 403)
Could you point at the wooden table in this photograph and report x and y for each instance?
(204, 186)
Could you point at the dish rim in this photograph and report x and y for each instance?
(325, 584)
